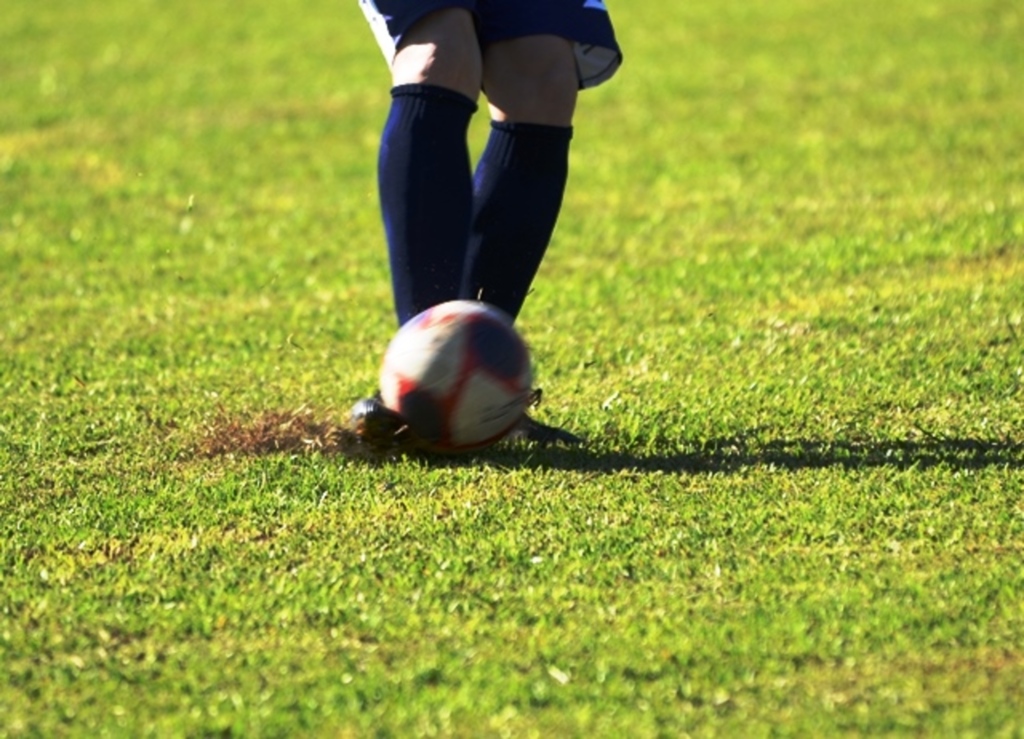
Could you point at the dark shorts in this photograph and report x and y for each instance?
(585, 22)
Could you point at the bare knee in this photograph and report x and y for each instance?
(531, 80)
(441, 49)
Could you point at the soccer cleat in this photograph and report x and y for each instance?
(531, 430)
(380, 428)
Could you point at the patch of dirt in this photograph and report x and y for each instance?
(277, 432)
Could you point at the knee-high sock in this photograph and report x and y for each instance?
(518, 188)
(426, 194)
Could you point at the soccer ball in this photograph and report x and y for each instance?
(459, 374)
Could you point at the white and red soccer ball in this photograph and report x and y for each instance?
(459, 374)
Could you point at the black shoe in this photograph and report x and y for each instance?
(378, 427)
(535, 432)
(531, 430)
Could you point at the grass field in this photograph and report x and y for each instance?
(784, 304)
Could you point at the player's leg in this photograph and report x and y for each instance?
(531, 85)
(424, 171)
(537, 55)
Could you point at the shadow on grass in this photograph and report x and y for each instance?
(737, 453)
(302, 431)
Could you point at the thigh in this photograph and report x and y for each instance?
(441, 49)
(531, 79)
(428, 41)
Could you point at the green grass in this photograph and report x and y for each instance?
(784, 303)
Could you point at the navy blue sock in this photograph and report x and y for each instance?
(518, 188)
(426, 194)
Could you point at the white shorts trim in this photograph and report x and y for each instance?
(379, 26)
(595, 64)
